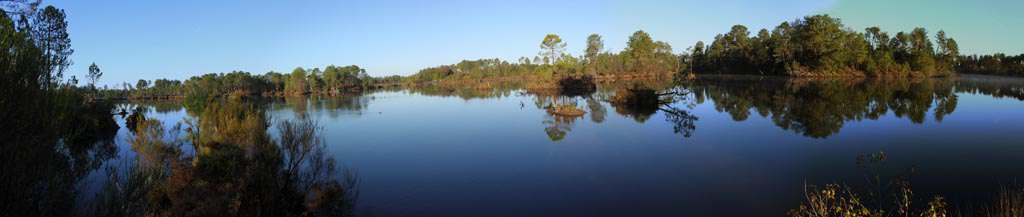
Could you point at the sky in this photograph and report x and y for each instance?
(131, 40)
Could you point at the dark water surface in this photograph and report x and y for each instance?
(731, 146)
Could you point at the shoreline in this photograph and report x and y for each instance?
(529, 83)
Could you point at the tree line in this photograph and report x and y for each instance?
(642, 56)
(329, 80)
(996, 64)
(821, 45)
(817, 45)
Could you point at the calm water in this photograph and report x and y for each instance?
(730, 146)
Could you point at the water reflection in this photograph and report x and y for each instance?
(812, 107)
(224, 155)
(819, 107)
(557, 126)
(348, 105)
(624, 98)
(489, 91)
(47, 152)
(234, 167)
(597, 111)
(998, 87)
(640, 102)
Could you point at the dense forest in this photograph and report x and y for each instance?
(821, 45)
(817, 45)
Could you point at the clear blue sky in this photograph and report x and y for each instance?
(130, 40)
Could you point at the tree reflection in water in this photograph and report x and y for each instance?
(347, 104)
(812, 107)
(596, 110)
(557, 126)
(640, 102)
(236, 169)
(50, 145)
(227, 164)
(819, 107)
(995, 86)
(639, 108)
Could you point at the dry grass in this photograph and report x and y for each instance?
(895, 198)
(1009, 203)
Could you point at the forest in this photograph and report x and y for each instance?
(817, 45)
(301, 81)
(821, 45)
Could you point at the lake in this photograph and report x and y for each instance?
(724, 146)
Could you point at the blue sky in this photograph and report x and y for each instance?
(130, 40)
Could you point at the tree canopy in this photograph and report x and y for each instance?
(553, 48)
(821, 45)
